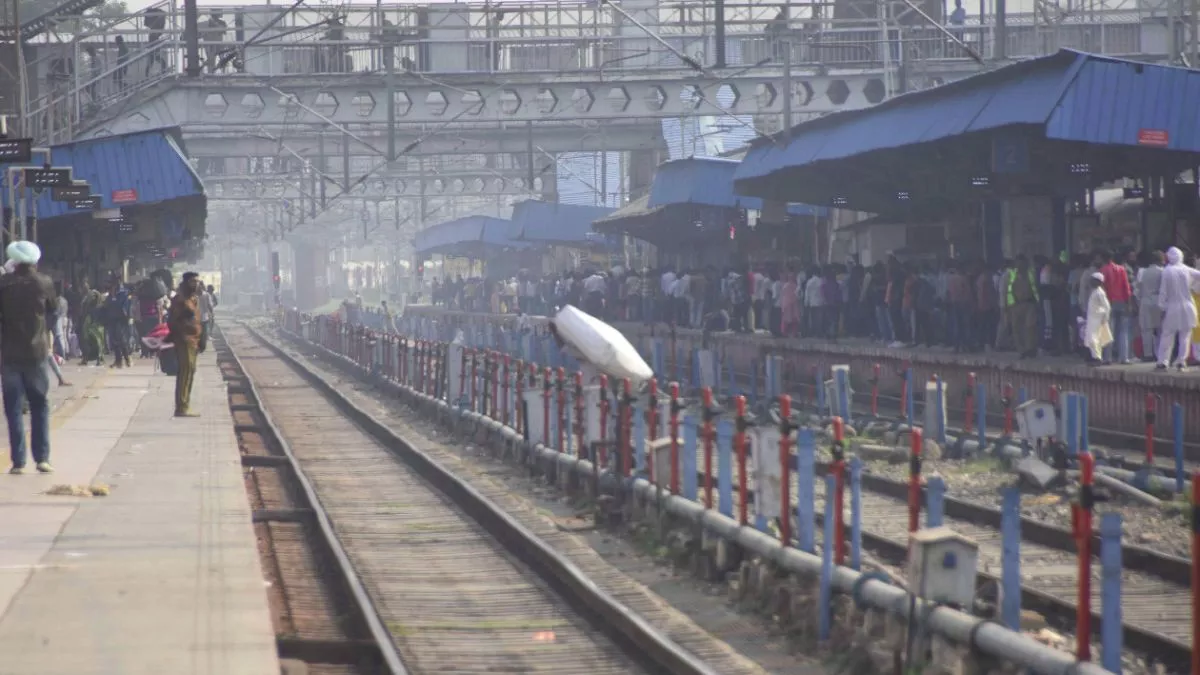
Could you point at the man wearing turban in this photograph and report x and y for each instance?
(26, 297)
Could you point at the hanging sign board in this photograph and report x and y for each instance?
(127, 196)
(67, 193)
(1155, 138)
(16, 150)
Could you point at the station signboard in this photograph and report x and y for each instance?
(16, 150)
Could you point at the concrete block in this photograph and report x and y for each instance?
(1038, 474)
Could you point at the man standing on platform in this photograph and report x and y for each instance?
(26, 298)
(183, 320)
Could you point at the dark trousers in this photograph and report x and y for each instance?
(205, 331)
(119, 336)
(23, 382)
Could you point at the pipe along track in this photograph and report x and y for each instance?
(1155, 596)
(455, 583)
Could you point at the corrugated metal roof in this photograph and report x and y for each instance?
(634, 209)
(706, 181)
(535, 220)
(469, 234)
(1074, 96)
(140, 168)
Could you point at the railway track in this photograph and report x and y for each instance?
(456, 583)
(1156, 603)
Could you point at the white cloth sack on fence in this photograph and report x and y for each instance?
(601, 345)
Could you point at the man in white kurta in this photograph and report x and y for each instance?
(1097, 334)
(1179, 312)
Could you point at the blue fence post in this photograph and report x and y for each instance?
(910, 408)
(1022, 395)
(690, 433)
(1070, 413)
(1110, 594)
(856, 466)
(639, 441)
(1084, 446)
(1177, 427)
(981, 414)
(841, 376)
(753, 392)
(806, 449)
(935, 495)
(826, 609)
(1010, 576)
(771, 379)
(725, 467)
(658, 357)
(939, 403)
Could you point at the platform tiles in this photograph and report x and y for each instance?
(160, 576)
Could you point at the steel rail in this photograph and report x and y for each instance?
(513, 535)
(370, 613)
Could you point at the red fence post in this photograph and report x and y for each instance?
(739, 447)
(561, 382)
(914, 481)
(627, 428)
(580, 427)
(603, 453)
(707, 435)
(519, 381)
(547, 384)
(504, 385)
(495, 375)
(838, 469)
(1083, 544)
(904, 392)
(785, 469)
(674, 429)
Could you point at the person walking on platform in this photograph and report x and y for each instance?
(207, 304)
(1021, 304)
(117, 314)
(1178, 308)
(26, 298)
(183, 320)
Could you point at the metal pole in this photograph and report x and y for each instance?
(1001, 46)
(720, 34)
(321, 168)
(191, 38)
(390, 79)
(345, 164)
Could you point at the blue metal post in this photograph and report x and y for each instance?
(695, 368)
(910, 409)
(1070, 405)
(1083, 423)
(1177, 427)
(825, 608)
(658, 357)
(725, 467)
(1022, 395)
(843, 387)
(806, 448)
(981, 414)
(753, 393)
(1010, 552)
(856, 466)
(935, 495)
(690, 434)
(939, 397)
(1110, 594)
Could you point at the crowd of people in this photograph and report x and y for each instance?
(1024, 305)
(43, 324)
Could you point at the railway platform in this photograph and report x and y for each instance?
(161, 575)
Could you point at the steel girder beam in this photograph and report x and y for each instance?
(247, 101)
(381, 185)
(554, 139)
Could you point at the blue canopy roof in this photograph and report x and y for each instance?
(1073, 96)
(466, 236)
(135, 169)
(548, 222)
(707, 181)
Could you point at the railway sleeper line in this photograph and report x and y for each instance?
(563, 640)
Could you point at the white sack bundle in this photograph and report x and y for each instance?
(601, 345)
